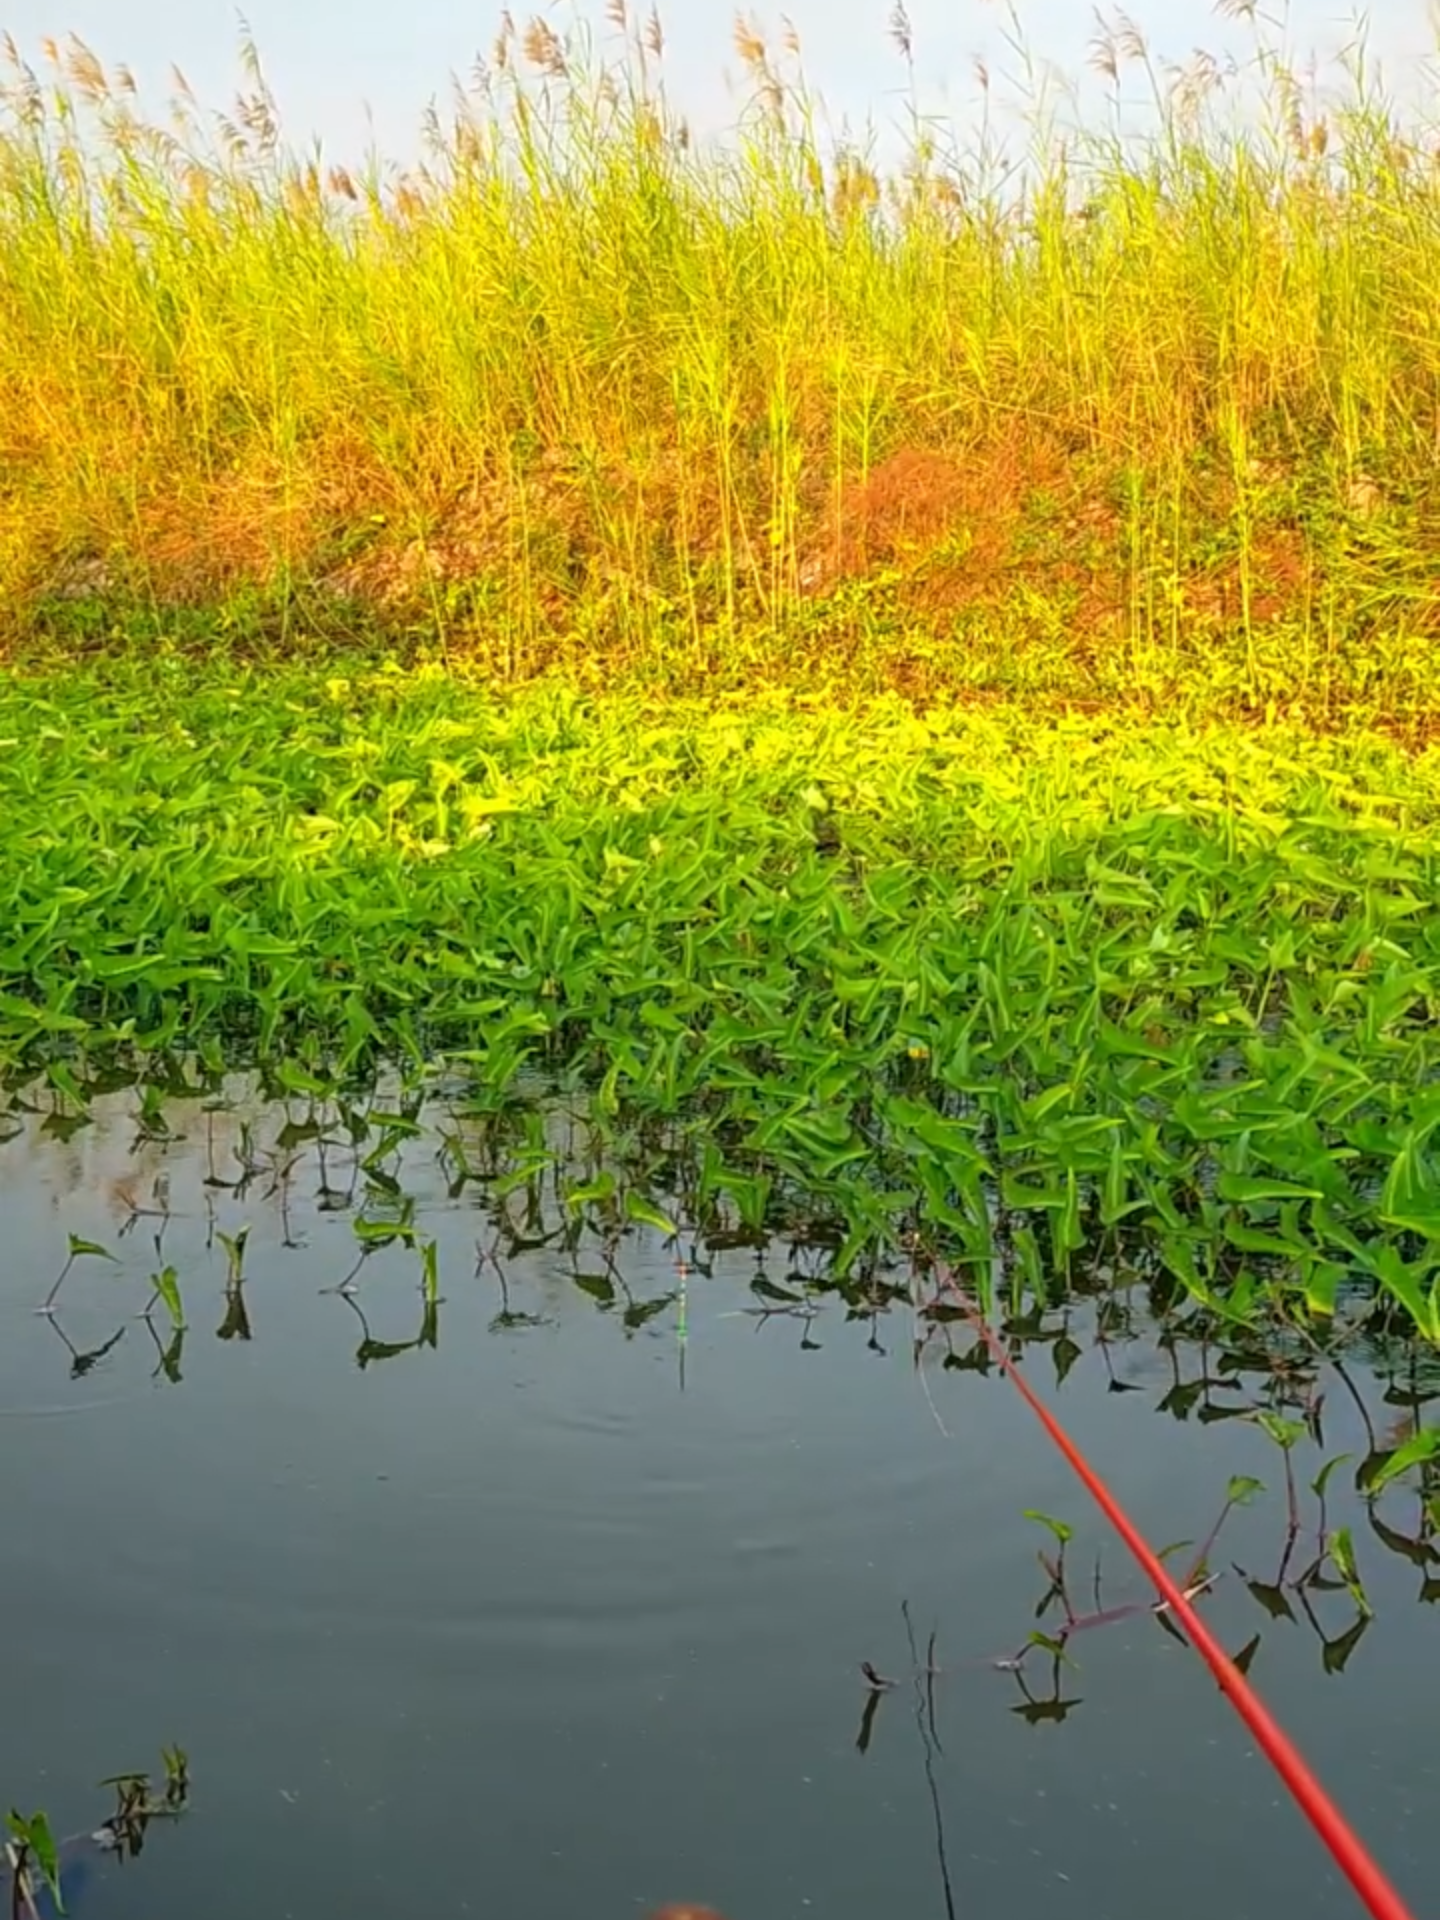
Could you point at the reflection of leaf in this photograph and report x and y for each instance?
(867, 1720)
(1320, 1581)
(81, 1363)
(727, 1240)
(1064, 1353)
(514, 1322)
(599, 1286)
(1420, 1552)
(236, 1323)
(1165, 1621)
(1211, 1412)
(1272, 1599)
(371, 1351)
(1181, 1398)
(1247, 1653)
(768, 1290)
(1338, 1651)
(171, 1357)
(639, 1311)
(1037, 1712)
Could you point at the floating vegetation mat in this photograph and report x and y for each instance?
(1018, 990)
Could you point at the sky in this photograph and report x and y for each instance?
(357, 74)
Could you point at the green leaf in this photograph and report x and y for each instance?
(79, 1248)
(1285, 1433)
(34, 1836)
(1322, 1479)
(430, 1270)
(1410, 1198)
(584, 1193)
(1342, 1552)
(234, 1245)
(1035, 1638)
(382, 1233)
(167, 1289)
(643, 1214)
(1061, 1531)
(1415, 1452)
(1244, 1189)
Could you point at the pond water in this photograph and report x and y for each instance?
(547, 1600)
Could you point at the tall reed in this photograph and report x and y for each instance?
(581, 387)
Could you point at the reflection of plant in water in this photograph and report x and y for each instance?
(1332, 1566)
(236, 1323)
(35, 1859)
(1018, 1662)
(567, 1183)
(164, 1291)
(371, 1350)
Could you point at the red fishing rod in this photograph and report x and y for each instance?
(1326, 1818)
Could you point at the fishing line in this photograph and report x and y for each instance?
(1349, 1853)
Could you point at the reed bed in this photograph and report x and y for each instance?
(579, 391)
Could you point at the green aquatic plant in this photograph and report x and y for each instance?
(1085, 989)
(32, 1849)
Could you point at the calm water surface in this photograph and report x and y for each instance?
(527, 1625)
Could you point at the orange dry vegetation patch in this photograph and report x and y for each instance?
(148, 520)
(239, 528)
(1278, 572)
(964, 528)
(564, 527)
